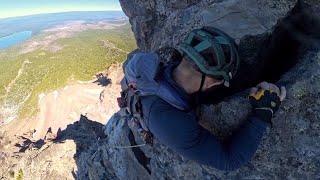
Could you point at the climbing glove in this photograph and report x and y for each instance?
(265, 104)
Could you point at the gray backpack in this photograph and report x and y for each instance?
(141, 79)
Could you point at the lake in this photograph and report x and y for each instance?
(14, 39)
(13, 30)
(39, 22)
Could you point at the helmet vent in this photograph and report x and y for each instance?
(227, 53)
(210, 56)
(195, 42)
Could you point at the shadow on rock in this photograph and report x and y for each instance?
(60, 151)
(268, 56)
(83, 132)
(102, 80)
(25, 142)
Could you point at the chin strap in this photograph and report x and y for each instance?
(198, 94)
(202, 82)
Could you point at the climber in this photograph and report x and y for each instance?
(161, 100)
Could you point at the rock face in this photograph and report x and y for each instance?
(165, 23)
(43, 159)
(280, 40)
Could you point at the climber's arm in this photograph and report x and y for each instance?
(181, 132)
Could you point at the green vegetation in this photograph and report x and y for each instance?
(20, 175)
(82, 56)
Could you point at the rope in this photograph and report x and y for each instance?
(127, 147)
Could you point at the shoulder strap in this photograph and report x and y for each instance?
(144, 70)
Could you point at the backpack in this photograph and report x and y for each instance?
(143, 78)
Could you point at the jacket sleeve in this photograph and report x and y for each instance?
(181, 132)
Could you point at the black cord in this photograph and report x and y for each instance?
(202, 82)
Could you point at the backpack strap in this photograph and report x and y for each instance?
(131, 102)
(176, 96)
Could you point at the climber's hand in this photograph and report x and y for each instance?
(266, 99)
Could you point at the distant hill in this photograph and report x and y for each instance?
(36, 23)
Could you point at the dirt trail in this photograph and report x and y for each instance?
(8, 112)
(110, 45)
(18, 75)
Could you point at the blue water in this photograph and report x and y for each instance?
(36, 23)
(14, 39)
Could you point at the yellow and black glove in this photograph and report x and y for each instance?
(265, 104)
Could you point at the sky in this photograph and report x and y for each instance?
(13, 8)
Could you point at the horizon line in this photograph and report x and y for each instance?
(3, 18)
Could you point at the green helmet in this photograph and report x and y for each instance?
(213, 51)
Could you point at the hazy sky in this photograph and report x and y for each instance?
(12, 8)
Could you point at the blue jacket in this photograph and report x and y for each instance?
(180, 131)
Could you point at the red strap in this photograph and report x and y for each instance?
(133, 84)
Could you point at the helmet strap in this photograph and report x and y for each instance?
(198, 94)
(202, 82)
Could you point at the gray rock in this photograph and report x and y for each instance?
(291, 148)
(165, 23)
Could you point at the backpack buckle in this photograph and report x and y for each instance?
(133, 85)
